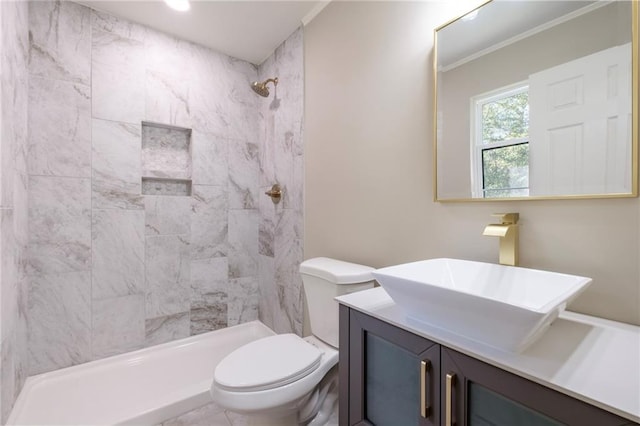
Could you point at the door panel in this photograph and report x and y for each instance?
(580, 125)
(391, 372)
(483, 393)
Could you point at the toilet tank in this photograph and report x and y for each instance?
(323, 280)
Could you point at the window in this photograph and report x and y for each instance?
(500, 143)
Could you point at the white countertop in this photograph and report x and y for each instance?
(591, 359)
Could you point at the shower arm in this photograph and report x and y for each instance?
(272, 80)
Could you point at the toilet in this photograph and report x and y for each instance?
(286, 379)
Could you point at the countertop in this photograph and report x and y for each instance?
(591, 359)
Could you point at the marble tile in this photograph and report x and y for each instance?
(19, 109)
(7, 376)
(288, 247)
(117, 253)
(210, 159)
(287, 316)
(267, 224)
(243, 243)
(169, 55)
(118, 325)
(9, 292)
(59, 132)
(209, 312)
(243, 300)
(242, 105)
(167, 275)
(268, 301)
(283, 121)
(166, 187)
(8, 269)
(119, 26)
(208, 415)
(13, 200)
(14, 97)
(281, 294)
(166, 328)
(60, 35)
(116, 165)
(166, 151)
(15, 40)
(59, 225)
(243, 175)
(7, 170)
(117, 77)
(266, 158)
(59, 321)
(209, 273)
(21, 358)
(209, 222)
(167, 99)
(209, 109)
(334, 419)
(21, 217)
(221, 105)
(209, 287)
(166, 215)
(236, 419)
(296, 188)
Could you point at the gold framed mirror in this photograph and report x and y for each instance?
(537, 100)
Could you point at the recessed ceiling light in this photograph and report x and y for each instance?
(468, 17)
(179, 5)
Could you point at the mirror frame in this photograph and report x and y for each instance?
(635, 46)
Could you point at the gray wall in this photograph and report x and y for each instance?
(112, 270)
(369, 165)
(13, 201)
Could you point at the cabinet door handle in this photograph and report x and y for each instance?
(450, 383)
(425, 384)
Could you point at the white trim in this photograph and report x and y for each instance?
(528, 33)
(314, 12)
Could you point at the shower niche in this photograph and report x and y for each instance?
(166, 160)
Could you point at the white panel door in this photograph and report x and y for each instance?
(580, 125)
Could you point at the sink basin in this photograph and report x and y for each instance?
(502, 306)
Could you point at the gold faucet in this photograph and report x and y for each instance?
(507, 230)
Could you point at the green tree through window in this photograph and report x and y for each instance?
(503, 143)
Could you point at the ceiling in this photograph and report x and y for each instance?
(249, 30)
(501, 21)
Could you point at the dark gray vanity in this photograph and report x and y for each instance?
(394, 371)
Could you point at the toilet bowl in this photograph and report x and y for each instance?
(286, 376)
(272, 376)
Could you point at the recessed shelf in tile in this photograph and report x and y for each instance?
(159, 186)
(166, 151)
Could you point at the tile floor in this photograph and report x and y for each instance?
(213, 415)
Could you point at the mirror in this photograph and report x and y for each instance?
(537, 99)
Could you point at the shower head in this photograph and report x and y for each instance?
(261, 88)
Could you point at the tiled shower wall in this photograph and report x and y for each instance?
(112, 270)
(13, 201)
(281, 160)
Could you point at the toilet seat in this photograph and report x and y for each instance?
(267, 363)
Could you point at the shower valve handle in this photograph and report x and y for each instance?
(275, 193)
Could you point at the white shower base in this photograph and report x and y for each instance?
(145, 387)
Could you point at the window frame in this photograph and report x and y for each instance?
(477, 146)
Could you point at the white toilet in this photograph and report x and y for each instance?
(286, 379)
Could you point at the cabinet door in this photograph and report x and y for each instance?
(391, 374)
(477, 394)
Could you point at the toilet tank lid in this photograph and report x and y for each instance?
(337, 271)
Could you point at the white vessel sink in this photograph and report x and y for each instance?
(502, 306)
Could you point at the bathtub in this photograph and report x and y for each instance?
(145, 387)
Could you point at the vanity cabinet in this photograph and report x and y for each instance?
(389, 376)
